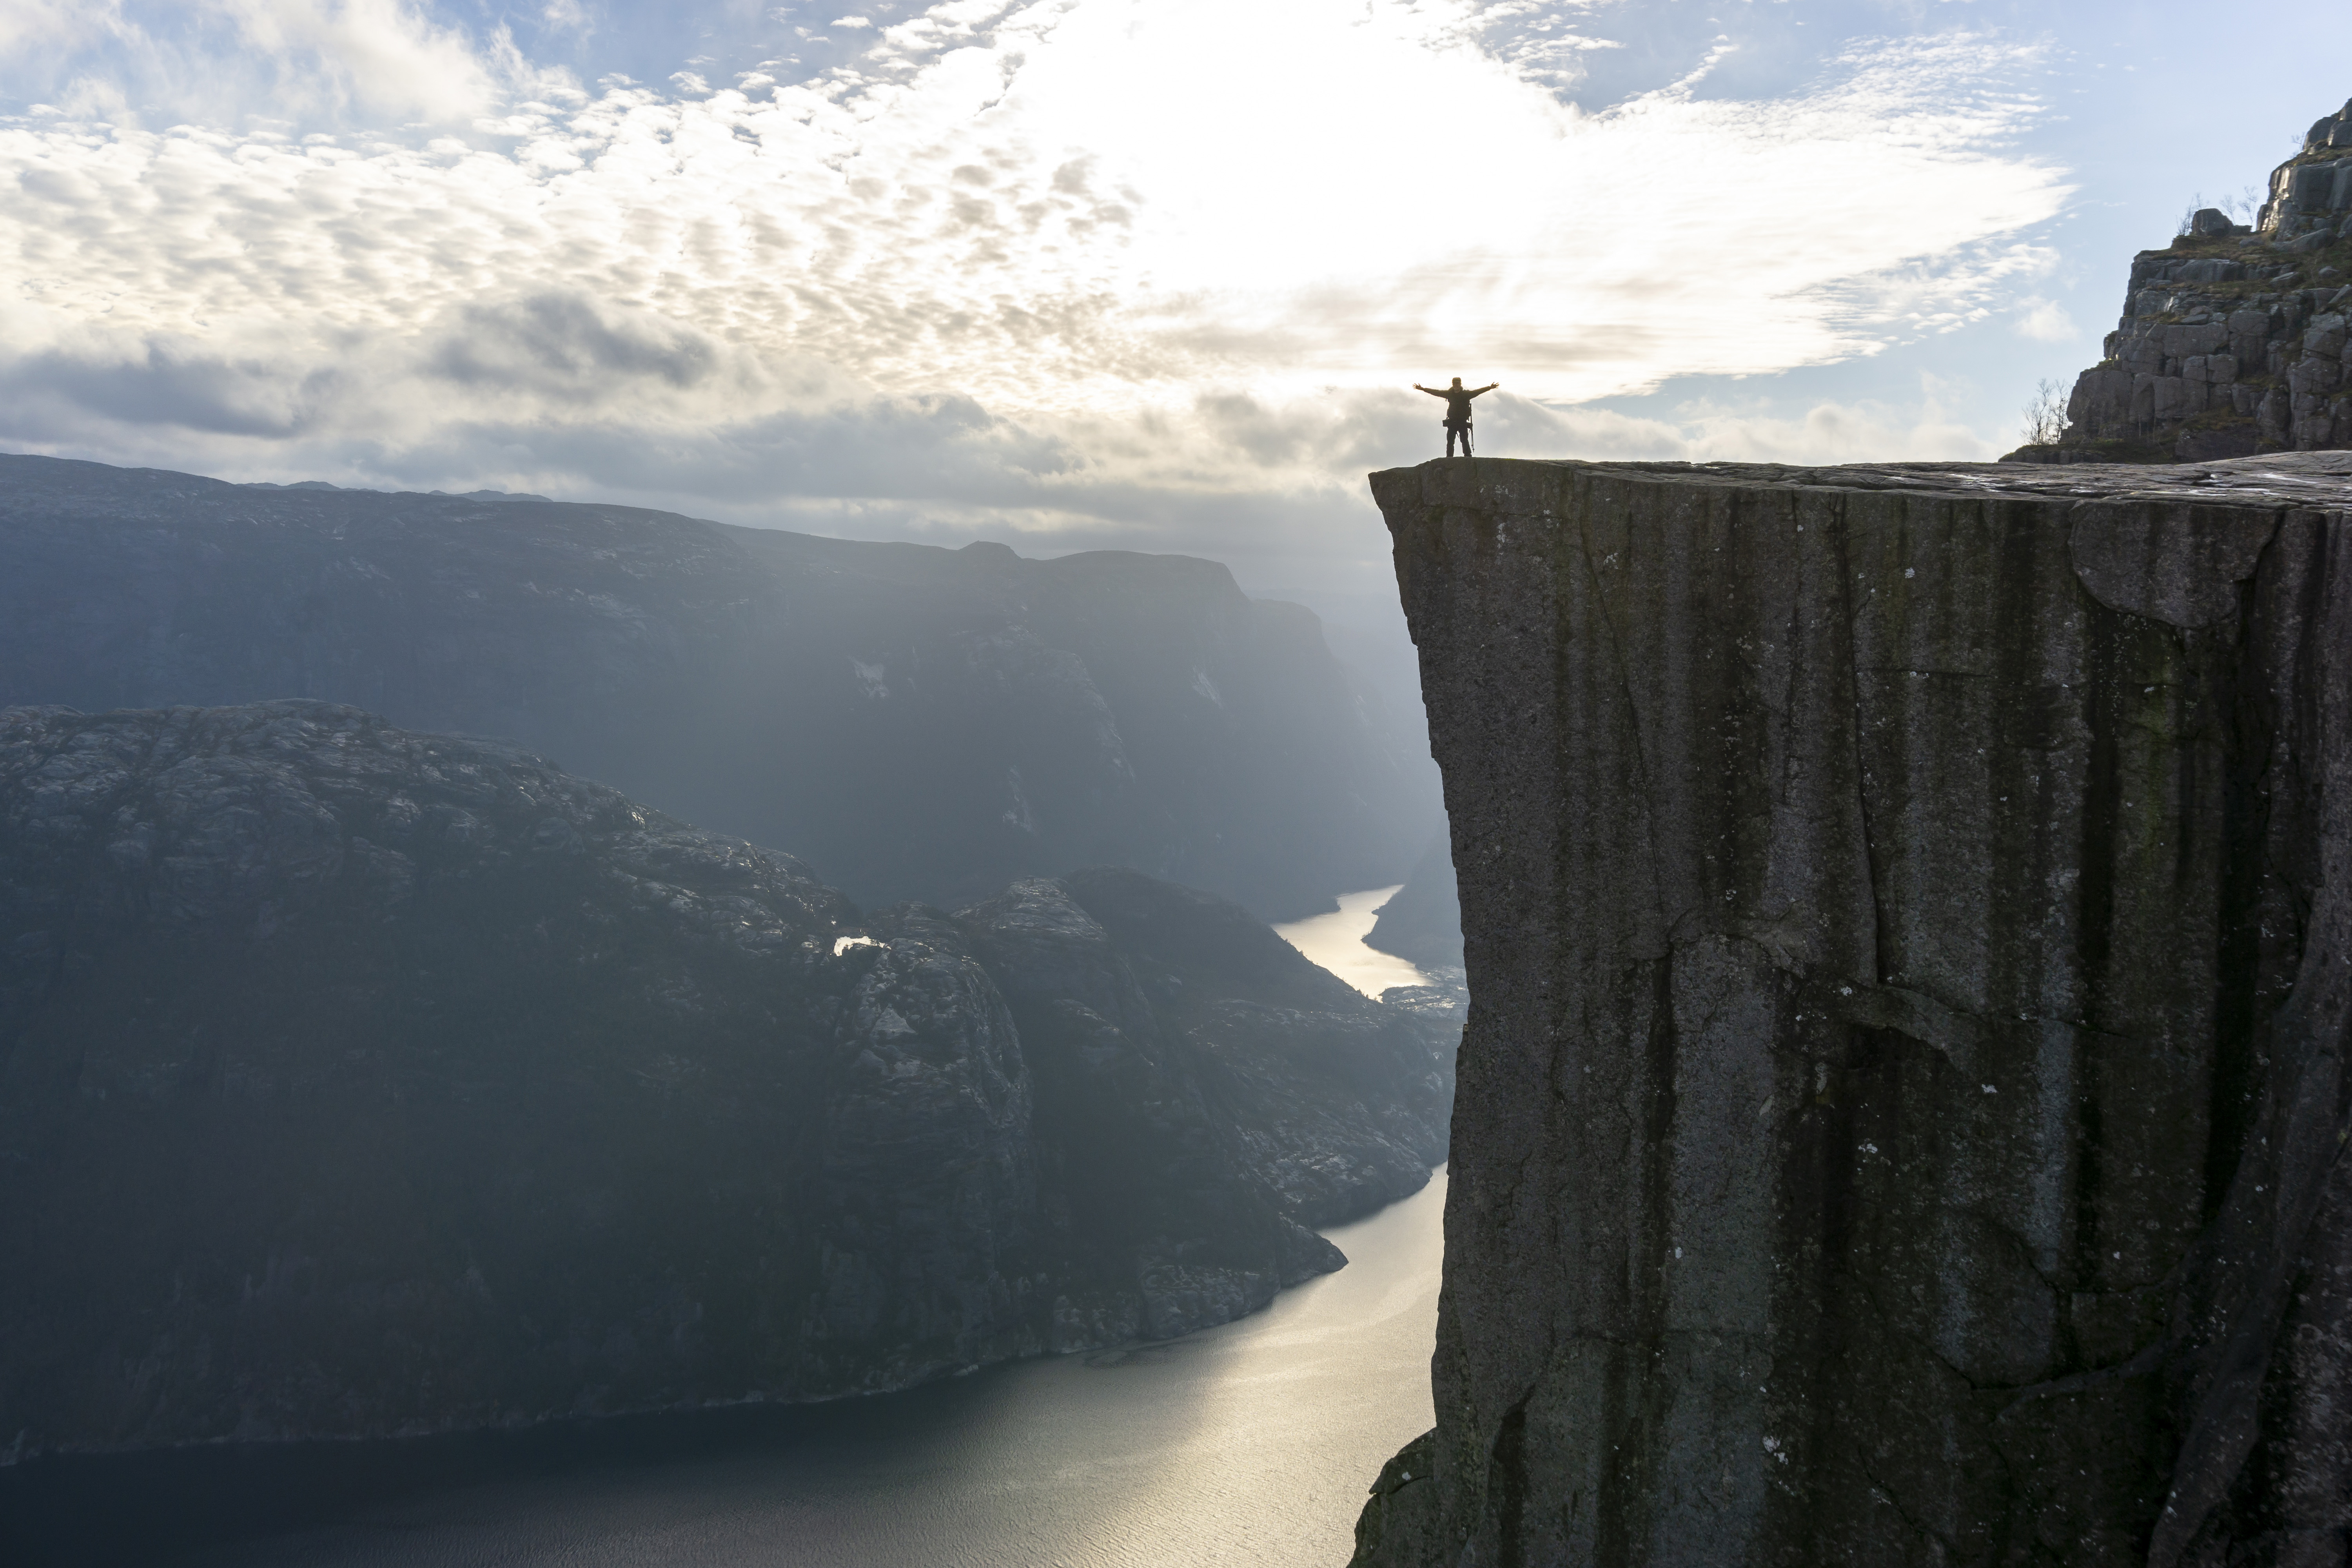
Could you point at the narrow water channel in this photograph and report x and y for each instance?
(1335, 941)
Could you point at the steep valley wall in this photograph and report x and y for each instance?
(1903, 1111)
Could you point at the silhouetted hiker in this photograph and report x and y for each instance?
(1457, 410)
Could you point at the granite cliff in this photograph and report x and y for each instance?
(357, 1081)
(1903, 1112)
(2233, 340)
(916, 722)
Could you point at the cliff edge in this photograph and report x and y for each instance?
(1903, 1110)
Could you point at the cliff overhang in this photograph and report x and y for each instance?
(1902, 1111)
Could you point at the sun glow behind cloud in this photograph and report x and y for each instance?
(1025, 250)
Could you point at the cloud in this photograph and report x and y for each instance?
(26, 24)
(2045, 322)
(384, 55)
(277, 64)
(1083, 265)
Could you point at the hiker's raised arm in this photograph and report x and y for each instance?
(1488, 387)
(1431, 390)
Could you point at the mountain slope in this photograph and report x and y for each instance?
(356, 1082)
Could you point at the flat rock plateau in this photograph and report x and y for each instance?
(357, 1081)
(1903, 1111)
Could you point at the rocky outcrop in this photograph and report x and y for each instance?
(2232, 340)
(1904, 1110)
(916, 722)
(1422, 921)
(357, 1081)
(2312, 190)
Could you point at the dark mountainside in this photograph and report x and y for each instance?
(356, 1082)
(1422, 923)
(916, 722)
(1904, 1110)
(2233, 340)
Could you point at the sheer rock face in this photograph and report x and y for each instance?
(2223, 351)
(356, 1082)
(2313, 190)
(1903, 1108)
(916, 722)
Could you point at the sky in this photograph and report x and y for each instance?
(1082, 274)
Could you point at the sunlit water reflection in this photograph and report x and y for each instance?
(1335, 941)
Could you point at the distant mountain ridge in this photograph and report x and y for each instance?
(916, 722)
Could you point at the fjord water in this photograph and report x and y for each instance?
(1336, 941)
(1252, 1442)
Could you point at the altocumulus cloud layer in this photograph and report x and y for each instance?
(1149, 269)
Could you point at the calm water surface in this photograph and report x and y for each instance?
(1252, 1443)
(1335, 941)
(1249, 1444)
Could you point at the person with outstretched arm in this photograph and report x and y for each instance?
(1457, 410)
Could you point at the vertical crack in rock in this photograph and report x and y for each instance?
(1903, 1111)
(1872, 871)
